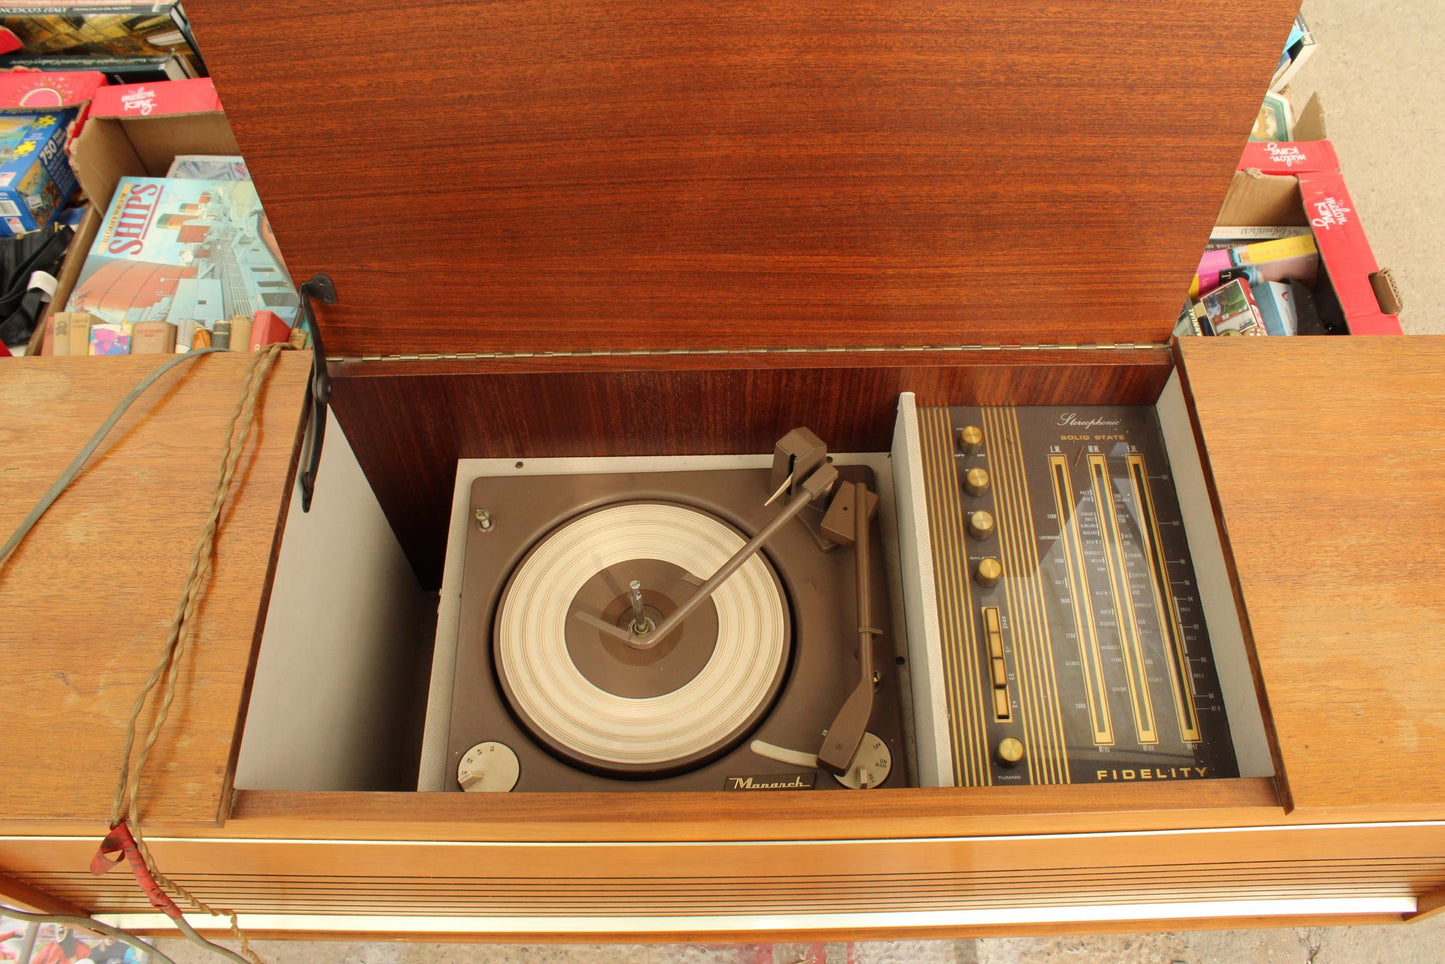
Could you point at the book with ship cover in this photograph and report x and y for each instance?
(191, 252)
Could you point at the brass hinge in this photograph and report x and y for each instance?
(799, 350)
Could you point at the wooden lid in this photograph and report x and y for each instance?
(571, 175)
(86, 601)
(1325, 457)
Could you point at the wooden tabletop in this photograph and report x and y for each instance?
(87, 599)
(1326, 454)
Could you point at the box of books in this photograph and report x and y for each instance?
(35, 175)
(187, 251)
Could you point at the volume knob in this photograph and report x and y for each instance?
(980, 524)
(988, 573)
(970, 439)
(975, 481)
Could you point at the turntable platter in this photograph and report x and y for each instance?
(608, 707)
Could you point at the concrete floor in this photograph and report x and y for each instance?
(1382, 91)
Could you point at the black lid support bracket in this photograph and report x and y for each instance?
(323, 290)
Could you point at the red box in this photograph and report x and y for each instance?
(1299, 183)
(166, 98)
(1289, 157)
(1346, 254)
(36, 90)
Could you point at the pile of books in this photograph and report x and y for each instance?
(1276, 118)
(1254, 281)
(180, 262)
(131, 41)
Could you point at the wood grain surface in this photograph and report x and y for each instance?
(87, 599)
(1325, 456)
(649, 884)
(626, 174)
(409, 422)
(17, 893)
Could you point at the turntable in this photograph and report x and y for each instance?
(698, 630)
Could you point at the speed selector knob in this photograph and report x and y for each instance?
(988, 573)
(975, 482)
(980, 524)
(970, 439)
(488, 767)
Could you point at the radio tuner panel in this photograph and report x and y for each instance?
(1071, 641)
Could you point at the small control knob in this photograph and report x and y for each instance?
(1010, 751)
(988, 573)
(975, 481)
(980, 524)
(488, 767)
(970, 439)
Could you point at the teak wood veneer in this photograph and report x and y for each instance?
(628, 229)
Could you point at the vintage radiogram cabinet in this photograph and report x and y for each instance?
(587, 237)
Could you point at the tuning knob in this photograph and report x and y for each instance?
(1010, 751)
(970, 439)
(988, 573)
(980, 524)
(975, 481)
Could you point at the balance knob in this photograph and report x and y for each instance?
(975, 482)
(970, 439)
(988, 573)
(1010, 751)
(980, 524)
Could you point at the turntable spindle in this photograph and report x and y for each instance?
(641, 625)
(814, 487)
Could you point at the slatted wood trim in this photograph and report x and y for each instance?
(324, 930)
(684, 895)
(18, 893)
(746, 878)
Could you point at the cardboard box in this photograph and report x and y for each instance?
(1299, 183)
(1365, 294)
(122, 139)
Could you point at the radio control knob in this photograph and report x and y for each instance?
(980, 524)
(975, 482)
(1010, 751)
(970, 439)
(988, 573)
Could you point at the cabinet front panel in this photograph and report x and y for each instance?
(749, 878)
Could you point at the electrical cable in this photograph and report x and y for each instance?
(125, 830)
(71, 471)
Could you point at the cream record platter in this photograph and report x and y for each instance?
(1007, 597)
